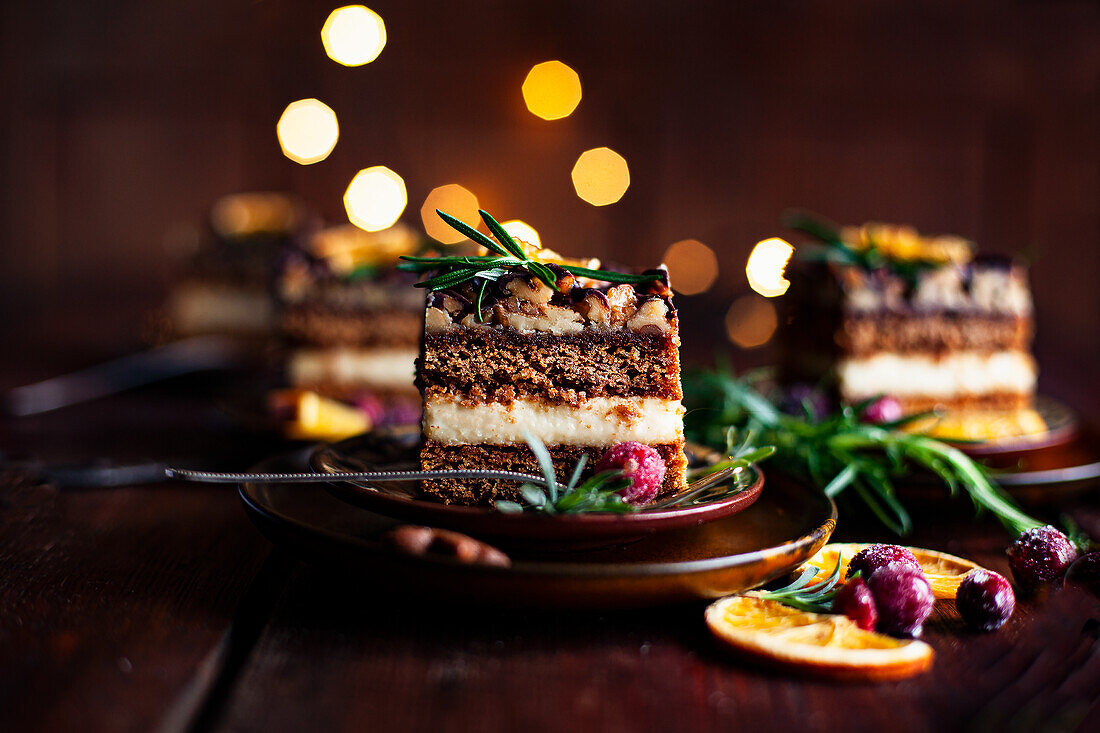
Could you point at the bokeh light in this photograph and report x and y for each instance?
(375, 198)
(454, 200)
(692, 266)
(600, 176)
(353, 35)
(551, 90)
(524, 232)
(307, 131)
(765, 267)
(751, 321)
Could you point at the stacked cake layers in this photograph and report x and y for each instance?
(581, 367)
(929, 326)
(351, 321)
(960, 340)
(228, 287)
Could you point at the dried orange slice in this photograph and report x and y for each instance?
(314, 417)
(820, 644)
(944, 572)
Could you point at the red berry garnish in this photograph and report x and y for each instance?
(1040, 555)
(884, 409)
(640, 463)
(855, 601)
(985, 600)
(903, 598)
(870, 559)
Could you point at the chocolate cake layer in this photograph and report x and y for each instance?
(490, 365)
(519, 458)
(934, 333)
(310, 324)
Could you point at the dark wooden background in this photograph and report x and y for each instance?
(123, 120)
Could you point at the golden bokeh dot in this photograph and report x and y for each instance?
(523, 232)
(765, 267)
(375, 198)
(353, 35)
(551, 90)
(751, 321)
(600, 176)
(451, 199)
(307, 131)
(692, 266)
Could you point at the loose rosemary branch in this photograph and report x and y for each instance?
(805, 595)
(839, 451)
(507, 254)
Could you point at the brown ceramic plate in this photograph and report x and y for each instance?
(705, 500)
(780, 531)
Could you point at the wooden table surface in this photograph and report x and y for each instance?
(161, 608)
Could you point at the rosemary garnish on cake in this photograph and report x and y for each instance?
(599, 493)
(450, 271)
(877, 246)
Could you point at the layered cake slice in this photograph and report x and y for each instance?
(227, 288)
(521, 343)
(919, 319)
(351, 321)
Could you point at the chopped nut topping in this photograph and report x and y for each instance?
(533, 290)
(594, 307)
(436, 319)
(652, 314)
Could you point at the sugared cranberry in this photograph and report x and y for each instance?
(884, 409)
(985, 600)
(855, 601)
(641, 464)
(371, 405)
(1040, 555)
(1085, 573)
(903, 599)
(870, 559)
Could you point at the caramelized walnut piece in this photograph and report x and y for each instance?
(596, 309)
(436, 319)
(623, 302)
(651, 316)
(419, 541)
(530, 289)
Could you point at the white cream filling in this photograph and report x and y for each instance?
(379, 368)
(961, 373)
(203, 308)
(600, 421)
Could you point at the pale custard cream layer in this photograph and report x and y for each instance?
(381, 368)
(954, 375)
(600, 421)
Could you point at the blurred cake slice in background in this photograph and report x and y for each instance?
(921, 319)
(227, 288)
(351, 322)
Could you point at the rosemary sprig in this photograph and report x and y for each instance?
(839, 451)
(600, 493)
(807, 596)
(835, 250)
(507, 254)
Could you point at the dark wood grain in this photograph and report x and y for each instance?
(115, 603)
(431, 665)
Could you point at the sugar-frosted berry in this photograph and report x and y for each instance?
(985, 600)
(870, 559)
(1040, 555)
(903, 598)
(640, 463)
(855, 601)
